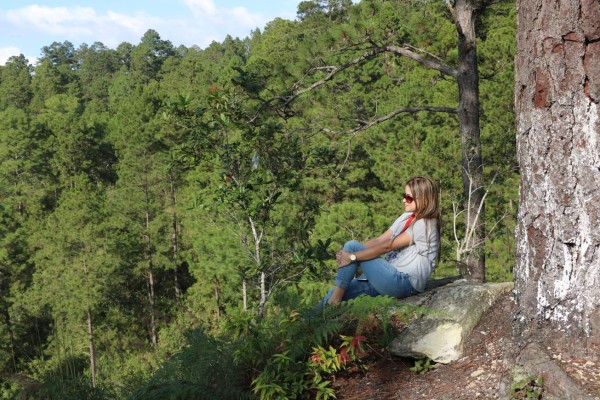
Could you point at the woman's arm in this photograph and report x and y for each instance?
(375, 248)
(385, 237)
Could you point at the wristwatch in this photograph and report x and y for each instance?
(352, 257)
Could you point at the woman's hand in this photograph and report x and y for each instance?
(343, 258)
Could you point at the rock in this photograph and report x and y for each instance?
(558, 385)
(476, 373)
(456, 310)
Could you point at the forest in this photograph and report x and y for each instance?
(169, 215)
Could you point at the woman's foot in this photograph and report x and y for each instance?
(336, 296)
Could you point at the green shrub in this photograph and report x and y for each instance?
(290, 354)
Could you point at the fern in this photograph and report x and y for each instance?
(291, 336)
(267, 358)
(205, 369)
(74, 388)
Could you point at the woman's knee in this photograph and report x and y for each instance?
(353, 245)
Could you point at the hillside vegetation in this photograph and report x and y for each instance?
(168, 214)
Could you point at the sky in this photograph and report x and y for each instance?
(27, 26)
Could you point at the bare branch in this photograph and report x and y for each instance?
(418, 50)
(407, 51)
(449, 4)
(391, 115)
(468, 243)
(428, 62)
(333, 70)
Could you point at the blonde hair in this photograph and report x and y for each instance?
(426, 197)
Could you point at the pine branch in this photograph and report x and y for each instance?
(285, 101)
(391, 115)
(408, 51)
(428, 62)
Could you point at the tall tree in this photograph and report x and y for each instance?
(23, 192)
(142, 191)
(55, 73)
(369, 42)
(253, 165)
(77, 145)
(98, 64)
(74, 266)
(148, 57)
(15, 83)
(557, 101)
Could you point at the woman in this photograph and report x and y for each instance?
(411, 247)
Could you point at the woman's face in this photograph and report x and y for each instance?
(409, 206)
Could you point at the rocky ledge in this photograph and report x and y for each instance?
(454, 310)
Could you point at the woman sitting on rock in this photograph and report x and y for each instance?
(410, 249)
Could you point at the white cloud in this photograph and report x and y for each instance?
(82, 23)
(234, 19)
(7, 52)
(248, 19)
(203, 22)
(201, 7)
(54, 20)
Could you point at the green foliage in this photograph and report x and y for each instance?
(75, 388)
(15, 86)
(423, 366)
(530, 388)
(204, 369)
(345, 221)
(284, 355)
(9, 389)
(63, 378)
(148, 190)
(309, 352)
(330, 361)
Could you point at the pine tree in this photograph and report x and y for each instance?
(75, 266)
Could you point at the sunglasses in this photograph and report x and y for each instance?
(408, 198)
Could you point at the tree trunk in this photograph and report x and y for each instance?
(90, 331)
(468, 119)
(217, 298)
(257, 237)
(152, 301)
(557, 95)
(263, 295)
(245, 294)
(175, 234)
(11, 334)
(92, 347)
(150, 283)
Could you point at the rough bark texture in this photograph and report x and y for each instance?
(557, 95)
(468, 116)
(92, 346)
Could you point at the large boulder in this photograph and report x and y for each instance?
(455, 309)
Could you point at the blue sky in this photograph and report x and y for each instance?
(27, 26)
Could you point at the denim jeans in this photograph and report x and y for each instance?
(378, 278)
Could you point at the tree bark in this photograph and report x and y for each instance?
(557, 95)
(217, 298)
(150, 282)
(245, 294)
(90, 331)
(152, 301)
(468, 119)
(11, 334)
(92, 347)
(257, 237)
(175, 235)
(263, 295)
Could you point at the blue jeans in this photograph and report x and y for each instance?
(378, 278)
